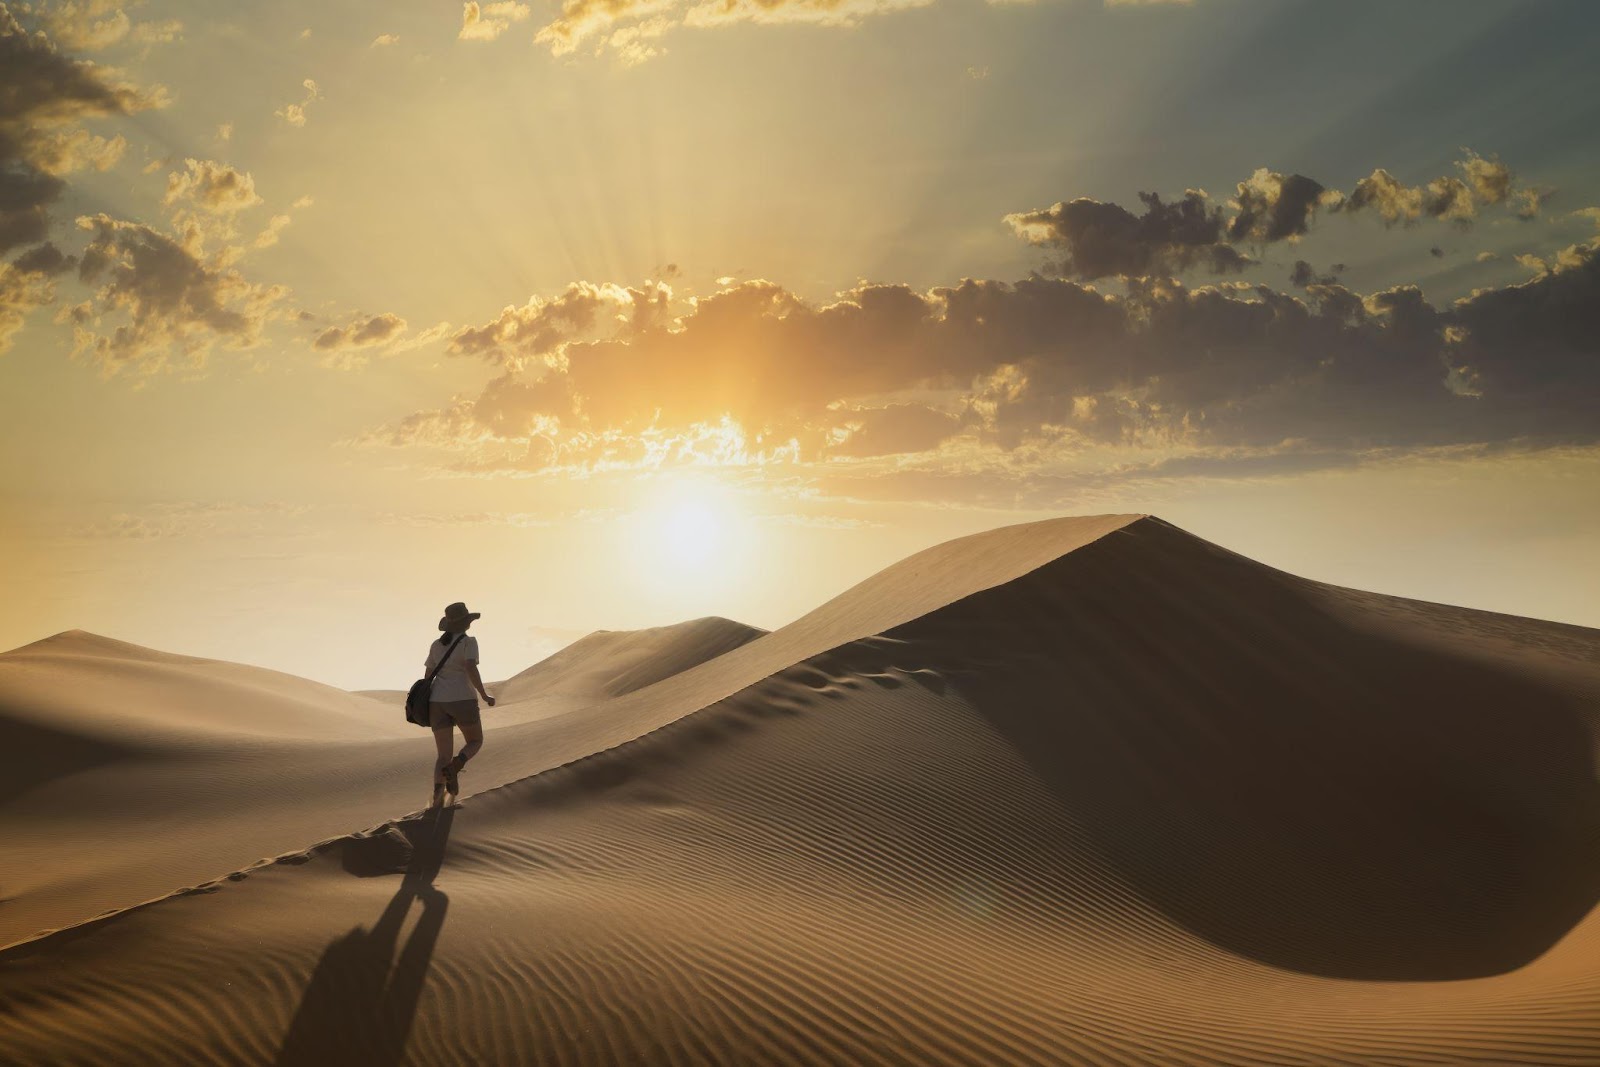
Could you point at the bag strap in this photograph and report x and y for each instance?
(437, 667)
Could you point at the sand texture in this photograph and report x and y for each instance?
(1090, 790)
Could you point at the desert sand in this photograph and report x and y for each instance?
(1090, 790)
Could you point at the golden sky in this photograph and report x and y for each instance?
(316, 317)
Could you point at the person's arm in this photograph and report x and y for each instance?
(477, 681)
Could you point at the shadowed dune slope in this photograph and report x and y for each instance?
(1143, 801)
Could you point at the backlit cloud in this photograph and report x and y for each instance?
(1043, 368)
(213, 187)
(94, 25)
(295, 114)
(628, 29)
(485, 22)
(540, 329)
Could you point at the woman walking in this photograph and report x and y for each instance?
(452, 702)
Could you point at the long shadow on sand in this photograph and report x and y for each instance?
(1287, 771)
(362, 999)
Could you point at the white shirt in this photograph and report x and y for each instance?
(453, 682)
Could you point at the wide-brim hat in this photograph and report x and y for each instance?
(456, 617)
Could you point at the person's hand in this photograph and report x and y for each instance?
(489, 698)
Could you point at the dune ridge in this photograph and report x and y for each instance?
(1143, 800)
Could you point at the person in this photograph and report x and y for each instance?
(452, 702)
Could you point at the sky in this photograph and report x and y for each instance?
(612, 314)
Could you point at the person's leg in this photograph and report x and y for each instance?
(443, 742)
(472, 733)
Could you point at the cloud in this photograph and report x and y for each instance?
(151, 294)
(1099, 240)
(213, 187)
(46, 96)
(362, 333)
(1304, 275)
(813, 12)
(1483, 182)
(628, 28)
(27, 284)
(894, 429)
(65, 151)
(190, 518)
(384, 40)
(1027, 373)
(1275, 207)
(1491, 180)
(485, 22)
(94, 25)
(540, 328)
(295, 114)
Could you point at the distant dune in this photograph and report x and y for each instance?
(1089, 790)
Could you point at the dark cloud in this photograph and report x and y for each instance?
(1100, 240)
(1536, 346)
(363, 333)
(1304, 274)
(1449, 199)
(1047, 362)
(45, 259)
(43, 95)
(1274, 207)
(895, 429)
(153, 295)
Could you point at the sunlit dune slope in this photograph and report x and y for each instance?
(141, 771)
(123, 693)
(1141, 800)
(610, 663)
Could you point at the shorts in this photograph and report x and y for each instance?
(443, 714)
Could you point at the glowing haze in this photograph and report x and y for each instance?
(317, 317)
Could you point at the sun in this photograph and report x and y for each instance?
(693, 532)
(688, 525)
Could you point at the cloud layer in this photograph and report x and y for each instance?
(1045, 366)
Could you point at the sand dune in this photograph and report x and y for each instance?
(612, 663)
(164, 811)
(1091, 790)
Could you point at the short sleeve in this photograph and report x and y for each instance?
(469, 648)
